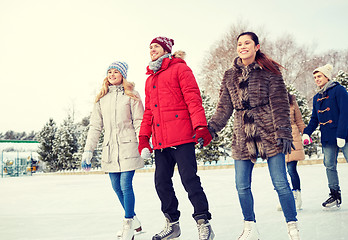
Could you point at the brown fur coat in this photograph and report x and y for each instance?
(261, 111)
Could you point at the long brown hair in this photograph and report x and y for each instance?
(128, 89)
(262, 59)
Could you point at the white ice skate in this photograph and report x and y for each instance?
(298, 199)
(293, 232)
(136, 225)
(250, 231)
(128, 230)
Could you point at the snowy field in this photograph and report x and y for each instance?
(83, 207)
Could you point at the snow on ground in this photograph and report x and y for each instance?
(83, 207)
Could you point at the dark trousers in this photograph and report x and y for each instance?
(184, 156)
(295, 178)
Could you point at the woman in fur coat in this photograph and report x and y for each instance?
(255, 91)
(119, 110)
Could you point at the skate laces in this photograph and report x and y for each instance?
(167, 230)
(203, 230)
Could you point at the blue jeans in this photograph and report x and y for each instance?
(295, 178)
(330, 162)
(122, 184)
(277, 169)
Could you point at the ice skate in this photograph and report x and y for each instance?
(298, 199)
(128, 230)
(250, 231)
(293, 232)
(136, 225)
(205, 232)
(334, 201)
(171, 230)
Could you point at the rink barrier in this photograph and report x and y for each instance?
(213, 166)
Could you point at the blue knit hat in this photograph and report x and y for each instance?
(122, 67)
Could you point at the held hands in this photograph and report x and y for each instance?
(341, 142)
(306, 139)
(203, 136)
(86, 160)
(144, 147)
(145, 153)
(287, 145)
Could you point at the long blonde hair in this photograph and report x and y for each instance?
(128, 89)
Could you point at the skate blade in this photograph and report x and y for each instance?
(120, 237)
(138, 233)
(332, 208)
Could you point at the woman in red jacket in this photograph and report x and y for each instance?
(174, 118)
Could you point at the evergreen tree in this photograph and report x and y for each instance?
(66, 145)
(46, 138)
(342, 78)
(96, 159)
(213, 151)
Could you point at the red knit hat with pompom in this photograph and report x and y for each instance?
(166, 43)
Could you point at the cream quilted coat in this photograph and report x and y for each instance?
(121, 117)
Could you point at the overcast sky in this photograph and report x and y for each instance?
(54, 54)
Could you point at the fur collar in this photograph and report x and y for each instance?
(238, 65)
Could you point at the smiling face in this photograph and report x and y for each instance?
(156, 51)
(246, 49)
(114, 77)
(320, 79)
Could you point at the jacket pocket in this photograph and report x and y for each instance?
(106, 153)
(128, 147)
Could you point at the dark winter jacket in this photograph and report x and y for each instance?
(173, 105)
(330, 112)
(260, 101)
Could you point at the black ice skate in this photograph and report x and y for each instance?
(171, 230)
(334, 201)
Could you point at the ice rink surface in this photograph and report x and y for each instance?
(64, 207)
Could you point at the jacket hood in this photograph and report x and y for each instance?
(166, 63)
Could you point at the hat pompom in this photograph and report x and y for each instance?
(329, 67)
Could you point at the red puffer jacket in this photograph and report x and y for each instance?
(173, 105)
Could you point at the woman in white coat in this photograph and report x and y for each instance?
(119, 110)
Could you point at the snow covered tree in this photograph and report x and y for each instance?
(342, 78)
(96, 159)
(214, 150)
(66, 145)
(46, 138)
